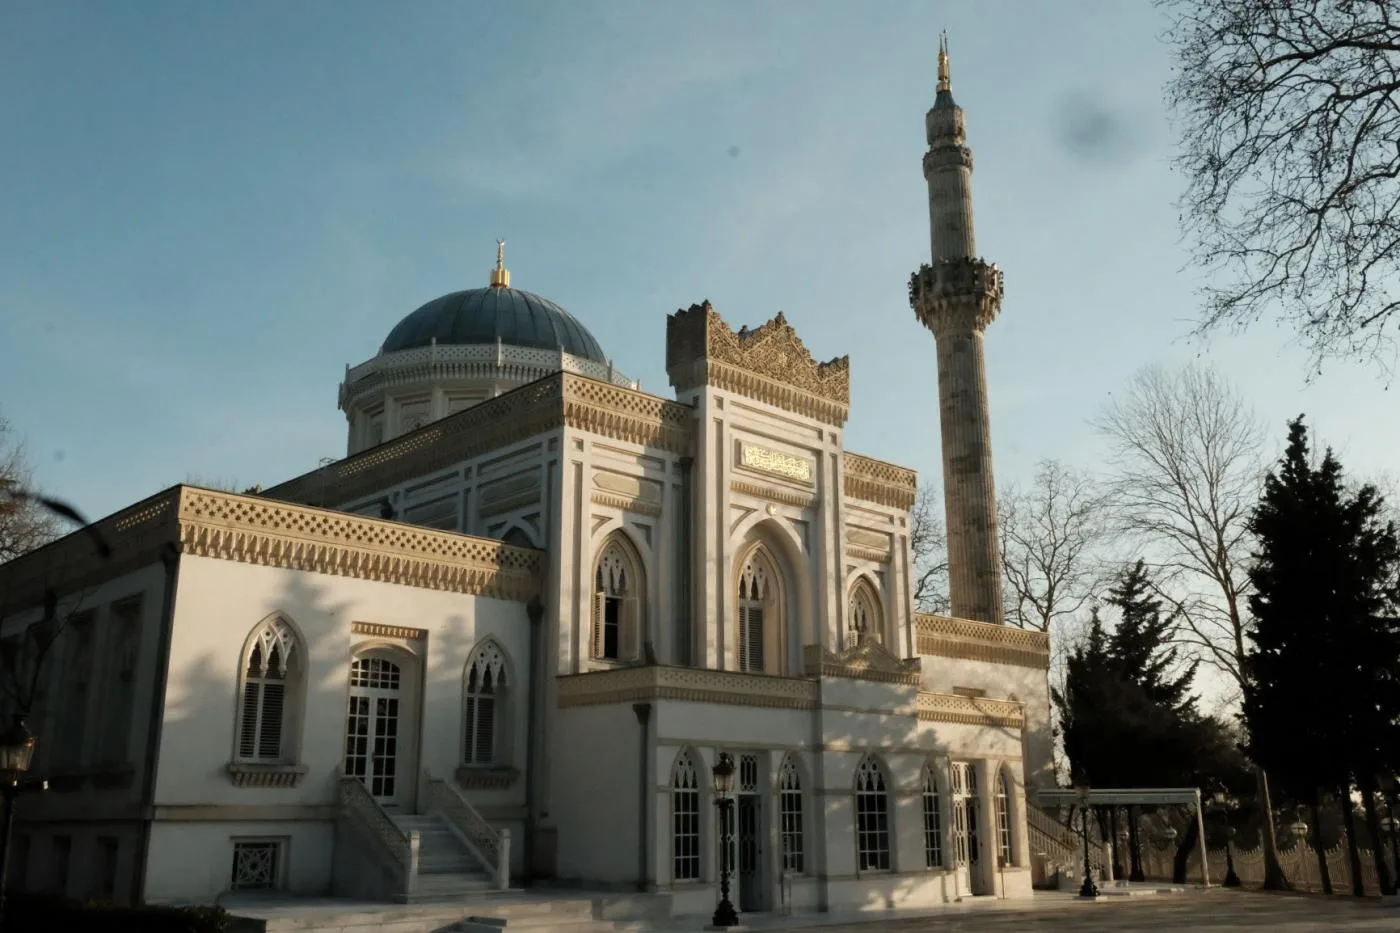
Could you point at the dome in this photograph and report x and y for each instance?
(485, 315)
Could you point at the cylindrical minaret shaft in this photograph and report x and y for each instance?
(956, 297)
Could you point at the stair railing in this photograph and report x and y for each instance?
(491, 845)
(401, 848)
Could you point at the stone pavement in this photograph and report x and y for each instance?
(1197, 911)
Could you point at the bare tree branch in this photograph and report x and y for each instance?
(1188, 468)
(928, 541)
(1289, 115)
(1050, 536)
(24, 523)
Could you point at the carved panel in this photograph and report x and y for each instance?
(507, 494)
(876, 481)
(869, 660)
(786, 496)
(377, 630)
(946, 637)
(972, 711)
(775, 462)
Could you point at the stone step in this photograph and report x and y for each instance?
(432, 911)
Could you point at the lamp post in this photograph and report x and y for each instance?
(1391, 828)
(1088, 888)
(16, 754)
(1223, 804)
(723, 777)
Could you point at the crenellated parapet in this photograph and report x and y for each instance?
(769, 364)
(956, 295)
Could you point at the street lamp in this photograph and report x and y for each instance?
(16, 754)
(723, 776)
(1224, 805)
(1088, 888)
(1389, 786)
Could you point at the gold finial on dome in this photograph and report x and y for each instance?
(500, 276)
(943, 83)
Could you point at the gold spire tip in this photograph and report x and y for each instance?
(943, 82)
(500, 276)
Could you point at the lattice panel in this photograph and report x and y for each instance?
(948, 707)
(944, 636)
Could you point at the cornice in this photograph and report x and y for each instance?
(874, 555)
(970, 711)
(274, 534)
(867, 661)
(632, 504)
(871, 480)
(253, 530)
(769, 364)
(557, 401)
(946, 637)
(697, 685)
(791, 497)
(379, 630)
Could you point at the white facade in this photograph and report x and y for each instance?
(507, 639)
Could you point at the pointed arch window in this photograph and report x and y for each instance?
(484, 686)
(933, 821)
(617, 594)
(790, 816)
(872, 817)
(759, 615)
(865, 621)
(1003, 814)
(685, 819)
(271, 684)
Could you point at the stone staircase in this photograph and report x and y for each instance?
(447, 868)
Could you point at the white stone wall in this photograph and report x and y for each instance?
(594, 769)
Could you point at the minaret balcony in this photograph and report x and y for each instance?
(956, 291)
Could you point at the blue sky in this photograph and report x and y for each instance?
(209, 209)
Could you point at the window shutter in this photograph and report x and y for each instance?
(631, 629)
(248, 727)
(599, 598)
(484, 751)
(469, 731)
(270, 733)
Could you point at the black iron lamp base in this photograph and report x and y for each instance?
(725, 916)
(1088, 888)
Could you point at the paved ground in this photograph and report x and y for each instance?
(1213, 911)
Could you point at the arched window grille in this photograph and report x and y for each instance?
(933, 821)
(685, 819)
(270, 679)
(790, 816)
(872, 817)
(865, 622)
(483, 695)
(760, 620)
(617, 595)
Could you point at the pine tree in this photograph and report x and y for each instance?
(1323, 621)
(1140, 646)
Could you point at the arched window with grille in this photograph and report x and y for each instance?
(872, 817)
(865, 622)
(790, 816)
(1003, 812)
(685, 818)
(270, 688)
(759, 615)
(484, 693)
(933, 820)
(618, 594)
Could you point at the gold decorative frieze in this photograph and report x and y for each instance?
(377, 630)
(767, 460)
(786, 496)
(659, 682)
(769, 364)
(867, 661)
(946, 637)
(971, 711)
(872, 480)
(560, 400)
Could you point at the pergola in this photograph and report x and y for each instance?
(1132, 796)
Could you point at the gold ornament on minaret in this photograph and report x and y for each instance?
(500, 276)
(943, 82)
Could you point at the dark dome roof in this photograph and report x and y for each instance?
(483, 315)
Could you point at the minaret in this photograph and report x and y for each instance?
(956, 297)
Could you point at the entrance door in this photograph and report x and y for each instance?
(373, 727)
(965, 814)
(748, 840)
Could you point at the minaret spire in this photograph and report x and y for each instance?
(500, 276)
(956, 296)
(943, 83)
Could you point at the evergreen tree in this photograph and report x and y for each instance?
(1323, 620)
(1140, 646)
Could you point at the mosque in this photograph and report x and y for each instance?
(507, 639)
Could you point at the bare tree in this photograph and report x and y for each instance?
(1050, 536)
(928, 541)
(24, 523)
(1189, 464)
(1289, 112)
